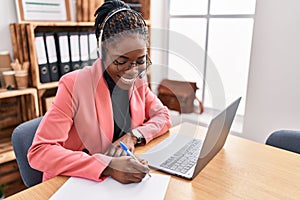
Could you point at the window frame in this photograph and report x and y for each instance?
(208, 17)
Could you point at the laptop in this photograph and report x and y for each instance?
(183, 154)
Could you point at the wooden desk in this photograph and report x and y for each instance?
(241, 170)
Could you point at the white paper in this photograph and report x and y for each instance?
(78, 188)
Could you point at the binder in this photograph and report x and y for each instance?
(84, 49)
(74, 49)
(92, 48)
(52, 56)
(63, 53)
(42, 58)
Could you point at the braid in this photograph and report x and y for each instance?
(104, 10)
(121, 23)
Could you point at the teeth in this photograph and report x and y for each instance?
(127, 80)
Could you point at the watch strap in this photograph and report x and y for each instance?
(139, 137)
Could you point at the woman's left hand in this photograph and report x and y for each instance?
(116, 151)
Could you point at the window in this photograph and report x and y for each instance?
(210, 43)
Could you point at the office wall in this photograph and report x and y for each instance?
(273, 94)
(159, 43)
(7, 15)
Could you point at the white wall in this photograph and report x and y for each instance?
(158, 39)
(8, 15)
(273, 95)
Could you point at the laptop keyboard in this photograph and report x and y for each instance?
(185, 158)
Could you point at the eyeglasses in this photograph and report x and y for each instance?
(142, 65)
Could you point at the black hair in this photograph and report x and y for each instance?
(126, 20)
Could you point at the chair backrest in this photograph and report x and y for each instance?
(22, 138)
(285, 139)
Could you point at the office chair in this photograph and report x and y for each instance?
(22, 137)
(285, 139)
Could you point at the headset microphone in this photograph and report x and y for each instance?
(141, 75)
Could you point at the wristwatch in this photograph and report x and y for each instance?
(139, 137)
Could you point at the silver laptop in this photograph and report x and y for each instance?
(184, 155)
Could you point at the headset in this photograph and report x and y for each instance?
(102, 25)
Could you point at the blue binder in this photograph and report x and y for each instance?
(63, 52)
(42, 58)
(52, 57)
(74, 49)
(84, 49)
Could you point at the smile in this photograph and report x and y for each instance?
(127, 80)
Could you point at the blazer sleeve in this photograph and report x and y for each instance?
(52, 154)
(157, 117)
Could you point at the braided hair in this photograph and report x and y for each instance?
(115, 19)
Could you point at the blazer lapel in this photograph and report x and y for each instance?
(103, 106)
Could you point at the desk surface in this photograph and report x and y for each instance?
(241, 170)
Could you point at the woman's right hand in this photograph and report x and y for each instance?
(126, 170)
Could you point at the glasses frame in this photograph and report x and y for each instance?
(141, 73)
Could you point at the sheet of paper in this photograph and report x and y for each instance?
(154, 187)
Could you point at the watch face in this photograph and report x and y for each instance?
(138, 141)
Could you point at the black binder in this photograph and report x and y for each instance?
(84, 49)
(74, 49)
(63, 49)
(92, 48)
(52, 56)
(42, 58)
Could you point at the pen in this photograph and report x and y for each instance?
(125, 148)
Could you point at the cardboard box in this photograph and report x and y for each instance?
(4, 59)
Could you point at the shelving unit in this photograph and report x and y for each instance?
(16, 107)
(32, 107)
(42, 27)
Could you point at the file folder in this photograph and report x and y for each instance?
(92, 48)
(42, 58)
(63, 53)
(75, 51)
(84, 49)
(52, 57)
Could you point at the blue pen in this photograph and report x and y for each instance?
(125, 148)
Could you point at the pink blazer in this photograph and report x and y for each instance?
(81, 117)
